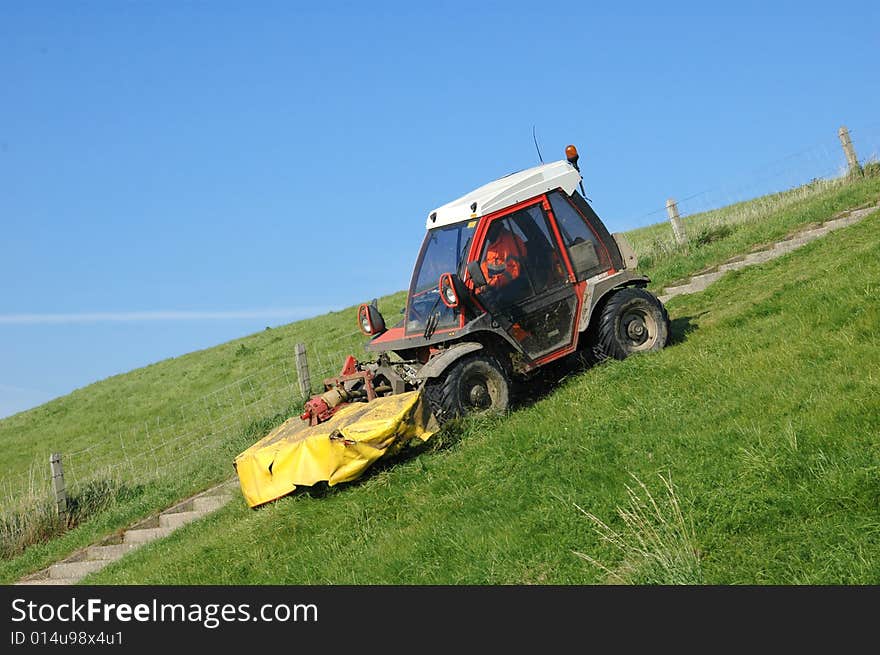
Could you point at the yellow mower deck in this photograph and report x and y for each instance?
(339, 450)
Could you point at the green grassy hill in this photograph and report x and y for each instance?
(764, 414)
(148, 437)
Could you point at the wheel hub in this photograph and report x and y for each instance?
(634, 328)
(479, 396)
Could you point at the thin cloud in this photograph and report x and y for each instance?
(171, 315)
(14, 389)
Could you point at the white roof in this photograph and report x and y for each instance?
(507, 191)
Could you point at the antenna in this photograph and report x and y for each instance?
(535, 138)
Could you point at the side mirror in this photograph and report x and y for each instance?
(370, 321)
(451, 290)
(476, 273)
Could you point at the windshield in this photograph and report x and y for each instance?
(443, 251)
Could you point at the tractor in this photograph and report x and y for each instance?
(512, 278)
(517, 274)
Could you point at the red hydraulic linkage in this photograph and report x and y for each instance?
(321, 407)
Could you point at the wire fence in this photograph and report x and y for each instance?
(823, 160)
(779, 183)
(193, 435)
(204, 431)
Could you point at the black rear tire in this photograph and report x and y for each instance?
(631, 321)
(475, 384)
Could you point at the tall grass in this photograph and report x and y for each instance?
(656, 542)
(40, 520)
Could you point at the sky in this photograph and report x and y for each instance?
(174, 175)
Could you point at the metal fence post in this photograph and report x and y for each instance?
(677, 226)
(302, 370)
(58, 483)
(852, 162)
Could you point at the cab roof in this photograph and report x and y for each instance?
(507, 191)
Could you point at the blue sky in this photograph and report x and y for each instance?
(174, 175)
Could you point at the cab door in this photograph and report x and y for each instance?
(535, 301)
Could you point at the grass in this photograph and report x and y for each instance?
(33, 540)
(764, 411)
(197, 395)
(43, 520)
(656, 542)
(718, 235)
(167, 430)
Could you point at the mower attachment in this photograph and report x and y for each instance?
(336, 450)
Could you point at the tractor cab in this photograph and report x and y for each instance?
(506, 262)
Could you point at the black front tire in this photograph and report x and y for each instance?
(631, 321)
(475, 384)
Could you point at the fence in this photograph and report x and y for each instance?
(204, 432)
(781, 182)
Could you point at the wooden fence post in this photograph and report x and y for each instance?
(852, 162)
(677, 227)
(58, 483)
(302, 371)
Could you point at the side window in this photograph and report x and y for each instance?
(520, 257)
(588, 255)
(544, 264)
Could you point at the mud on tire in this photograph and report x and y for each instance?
(473, 385)
(631, 321)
